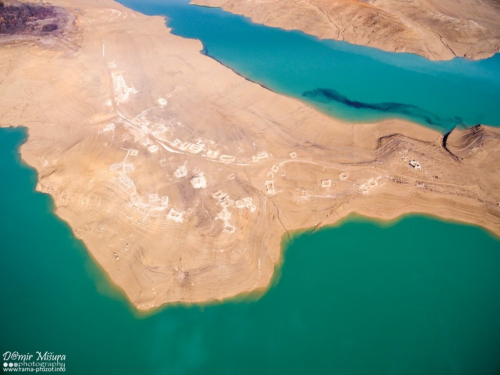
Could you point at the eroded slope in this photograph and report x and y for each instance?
(181, 176)
(436, 29)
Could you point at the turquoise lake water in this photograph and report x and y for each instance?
(355, 83)
(420, 296)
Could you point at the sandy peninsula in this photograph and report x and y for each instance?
(181, 177)
(435, 29)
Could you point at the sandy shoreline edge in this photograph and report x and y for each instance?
(181, 176)
(434, 29)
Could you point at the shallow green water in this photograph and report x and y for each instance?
(367, 84)
(417, 297)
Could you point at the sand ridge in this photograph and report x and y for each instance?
(181, 176)
(435, 29)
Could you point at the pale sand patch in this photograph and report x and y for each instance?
(270, 164)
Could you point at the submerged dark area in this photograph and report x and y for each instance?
(408, 110)
(28, 18)
(457, 92)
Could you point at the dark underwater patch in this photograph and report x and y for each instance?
(407, 110)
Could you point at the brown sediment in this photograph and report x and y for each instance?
(181, 176)
(21, 22)
(435, 29)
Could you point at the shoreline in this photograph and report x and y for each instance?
(112, 290)
(203, 218)
(435, 30)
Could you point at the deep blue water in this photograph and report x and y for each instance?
(436, 94)
(420, 296)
